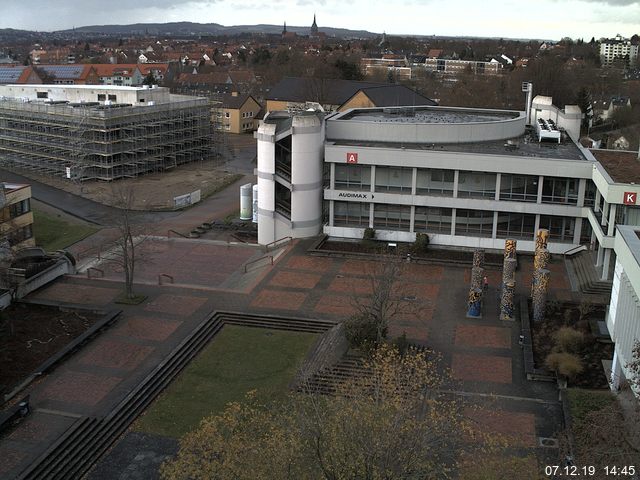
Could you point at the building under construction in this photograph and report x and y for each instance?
(100, 132)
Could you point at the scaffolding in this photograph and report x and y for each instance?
(92, 141)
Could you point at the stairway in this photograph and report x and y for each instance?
(586, 275)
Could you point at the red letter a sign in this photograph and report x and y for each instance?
(630, 198)
(352, 157)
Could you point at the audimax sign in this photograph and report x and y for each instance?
(361, 196)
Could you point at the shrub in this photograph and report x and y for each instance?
(360, 331)
(568, 339)
(421, 243)
(563, 363)
(369, 234)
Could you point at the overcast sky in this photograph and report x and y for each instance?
(547, 19)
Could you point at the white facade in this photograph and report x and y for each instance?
(290, 176)
(468, 177)
(618, 47)
(136, 96)
(623, 316)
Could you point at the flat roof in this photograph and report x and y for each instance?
(621, 165)
(13, 186)
(82, 87)
(428, 114)
(526, 145)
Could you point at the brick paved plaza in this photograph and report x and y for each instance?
(483, 354)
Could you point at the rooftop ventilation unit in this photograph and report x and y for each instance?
(547, 131)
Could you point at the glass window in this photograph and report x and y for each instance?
(474, 223)
(433, 219)
(392, 217)
(352, 177)
(560, 190)
(394, 179)
(434, 182)
(560, 228)
(515, 225)
(476, 184)
(351, 214)
(520, 188)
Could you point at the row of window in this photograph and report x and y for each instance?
(19, 235)
(474, 223)
(521, 188)
(15, 210)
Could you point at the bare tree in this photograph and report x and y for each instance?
(387, 299)
(125, 255)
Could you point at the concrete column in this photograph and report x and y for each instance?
(371, 215)
(596, 201)
(577, 231)
(536, 226)
(453, 222)
(612, 220)
(539, 299)
(456, 177)
(582, 189)
(494, 228)
(540, 183)
(373, 179)
(475, 303)
(542, 237)
(498, 180)
(605, 214)
(478, 258)
(412, 221)
(509, 270)
(331, 212)
(599, 255)
(506, 301)
(414, 181)
(332, 177)
(605, 264)
(616, 376)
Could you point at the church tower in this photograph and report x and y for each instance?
(314, 27)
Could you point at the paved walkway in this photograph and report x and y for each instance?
(483, 354)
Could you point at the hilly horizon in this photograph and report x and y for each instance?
(194, 28)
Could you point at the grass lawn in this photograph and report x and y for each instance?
(54, 234)
(582, 402)
(238, 360)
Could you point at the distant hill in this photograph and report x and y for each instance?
(191, 28)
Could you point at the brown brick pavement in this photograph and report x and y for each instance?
(481, 336)
(80, 294)
(278, 300)
(112, 354)
(481, 368)
(146, 328)
(336, 305)
(351, 285)
(315, 264)
(359, 267)
(78, 387)
(175, 304)
(295, 279)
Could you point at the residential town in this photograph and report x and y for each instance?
(313, 252)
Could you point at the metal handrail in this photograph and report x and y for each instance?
(177, 233)
(574, 250)
(275, 242)
(270, 257)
